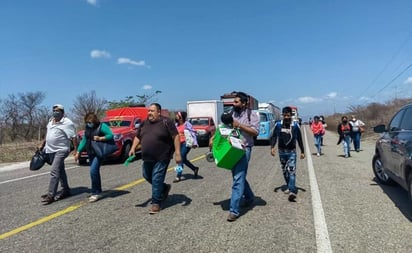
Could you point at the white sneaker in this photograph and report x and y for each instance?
(317, 154)
(94, 198)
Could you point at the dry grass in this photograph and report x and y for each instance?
(17, 152)
(372, 115)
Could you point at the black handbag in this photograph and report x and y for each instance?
(38, 160)
(103, 149)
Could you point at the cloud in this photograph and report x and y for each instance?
(99, 54)
(365, 99)
(131, 62)
(92, 2)
(332, 95)
(307, 100)
(408, 80)
(147, 87)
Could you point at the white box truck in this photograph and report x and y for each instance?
(204, 115)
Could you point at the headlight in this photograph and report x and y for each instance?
(201, 131)
(262, 129)
(117, 137)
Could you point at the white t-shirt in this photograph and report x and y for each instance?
(356, 125)
(59, 135)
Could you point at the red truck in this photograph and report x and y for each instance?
(123, 123)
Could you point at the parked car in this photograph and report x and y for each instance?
(392, 162)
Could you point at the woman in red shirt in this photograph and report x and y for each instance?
(318, 131)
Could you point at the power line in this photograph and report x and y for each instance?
(387, 64)
(396, 77)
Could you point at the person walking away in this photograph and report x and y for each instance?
(357, 129)
(95, 131)
(248, 125)
(345, 132)
(188, 141)
(286, 134)
(318, 131)
(159, 138)
(322, 120)
(61, 133)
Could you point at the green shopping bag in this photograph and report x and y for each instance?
(227, 147)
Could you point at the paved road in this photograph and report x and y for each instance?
(339, 208)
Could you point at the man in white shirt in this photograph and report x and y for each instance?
(61, 132)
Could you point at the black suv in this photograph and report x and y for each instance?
(392, 162)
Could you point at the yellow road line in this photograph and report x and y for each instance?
(41, 221)
(73, 207)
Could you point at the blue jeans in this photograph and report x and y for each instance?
(240, 187)
(288, 163)
(346, 145)
(356, 136)
(183, 152)
(318, 142)
(155, 172)
(95, 175)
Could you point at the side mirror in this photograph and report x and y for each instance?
(379, 129)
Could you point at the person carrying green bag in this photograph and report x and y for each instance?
(248, 125)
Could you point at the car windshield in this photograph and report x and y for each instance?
(117, 123)
(199, 121)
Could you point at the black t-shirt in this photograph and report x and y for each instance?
(156, 139)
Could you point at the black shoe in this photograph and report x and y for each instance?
(47, 200)
(166, 191)
(232, 217)
(292, 197)
(196, 171)
(63, 195)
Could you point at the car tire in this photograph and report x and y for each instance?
(125, 153)
(379, 171)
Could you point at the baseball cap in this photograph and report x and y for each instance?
(58, 106)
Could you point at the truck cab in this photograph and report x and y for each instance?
(205, 128)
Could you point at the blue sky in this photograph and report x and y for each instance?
(322, 56)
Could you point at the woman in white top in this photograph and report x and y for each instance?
(357, 129)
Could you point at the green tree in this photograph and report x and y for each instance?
(137, 100)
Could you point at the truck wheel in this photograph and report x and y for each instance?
(125, 153)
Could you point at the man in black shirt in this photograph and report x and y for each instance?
(286, 134)
(159, 138)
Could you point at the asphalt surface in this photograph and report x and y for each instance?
(339, 208)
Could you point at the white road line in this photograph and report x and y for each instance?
(37, 175)
(321, 229)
